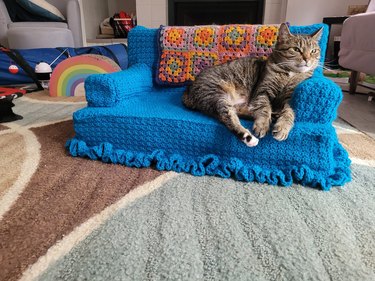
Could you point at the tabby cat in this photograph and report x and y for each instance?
(257, 88)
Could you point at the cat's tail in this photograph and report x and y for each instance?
(186, 98)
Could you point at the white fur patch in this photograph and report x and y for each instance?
(253, 141)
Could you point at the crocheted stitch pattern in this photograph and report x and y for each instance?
(185, 51)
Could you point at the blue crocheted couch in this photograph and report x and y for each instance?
(132, 121)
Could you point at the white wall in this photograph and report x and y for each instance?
(274, 11)
(94, 12)
(115, 6)
(301, 12)
(152, 13)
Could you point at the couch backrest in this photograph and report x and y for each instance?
(4, 16)
(371, 7)
(142, 46)
(59, 4)
(143, 43)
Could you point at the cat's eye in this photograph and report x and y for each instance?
(296, 49)
(313, 51)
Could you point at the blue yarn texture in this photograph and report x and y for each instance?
(132, 121)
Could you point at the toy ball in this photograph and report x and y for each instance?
(13, 69)
(44, 69)
(43, 72)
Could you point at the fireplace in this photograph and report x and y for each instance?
(200, 12)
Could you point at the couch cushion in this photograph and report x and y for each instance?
(185, 50)
(37, 24)
(49, 37)
(42, 8)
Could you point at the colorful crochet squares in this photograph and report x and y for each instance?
(185, 50)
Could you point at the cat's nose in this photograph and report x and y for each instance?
(306, 57)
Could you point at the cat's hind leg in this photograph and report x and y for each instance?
(227, 114)
(210, 102)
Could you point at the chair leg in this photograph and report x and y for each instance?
(353, 80)
(6, 112)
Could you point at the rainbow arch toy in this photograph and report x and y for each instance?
(68, 78)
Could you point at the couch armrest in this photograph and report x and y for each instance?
(74, 20)
(357, 46)
(4, 20)
(106, 90)
(316, 100)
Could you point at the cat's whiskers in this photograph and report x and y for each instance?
(324, 67)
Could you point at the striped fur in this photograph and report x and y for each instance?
(257, 88)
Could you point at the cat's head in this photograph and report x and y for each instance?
(297, 53)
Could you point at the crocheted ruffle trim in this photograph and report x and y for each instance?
(212, 165)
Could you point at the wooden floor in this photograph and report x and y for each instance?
(358, 111)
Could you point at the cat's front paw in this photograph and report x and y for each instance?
(281, 131)
(250, 140)
(261, 127)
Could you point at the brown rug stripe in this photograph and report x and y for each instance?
(64, 193)
(358, 145)
(12, 155)
(2, 127)
(44, 96)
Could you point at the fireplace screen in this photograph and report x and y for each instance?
(195, 12)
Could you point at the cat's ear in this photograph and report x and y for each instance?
(317, 34)
(284, 33)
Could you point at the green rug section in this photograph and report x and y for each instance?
(36, 111)
(208, 228)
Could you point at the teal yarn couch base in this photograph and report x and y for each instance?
(213, 165)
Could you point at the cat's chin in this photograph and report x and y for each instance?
(303, 69)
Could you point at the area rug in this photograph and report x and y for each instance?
(65, 218)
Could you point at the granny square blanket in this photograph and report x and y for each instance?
(131, 120)
(185, 50)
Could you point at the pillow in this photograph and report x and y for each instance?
(42, 8)
(185, 50)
